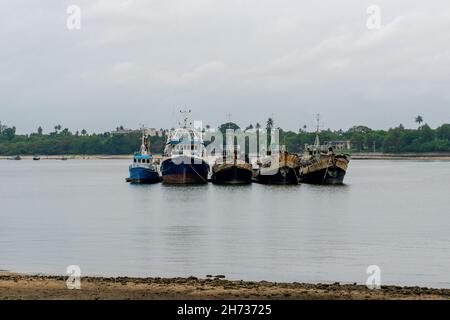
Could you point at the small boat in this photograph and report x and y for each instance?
(36, 158)
(184, 160)
(321, 165)
(231, 171)
(281, 168)
(143, 170)
(15, 158)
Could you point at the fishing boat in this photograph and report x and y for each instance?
(184, 159)
(231, 170)
(15, 158)
(321, 165)
(281, 168)
(143, 169)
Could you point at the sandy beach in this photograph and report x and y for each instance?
(20, 286)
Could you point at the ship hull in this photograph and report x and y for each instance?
(329, 169)
(143, 175)
(184, 171)
(329, 176)
(231, 174)
(283, 176)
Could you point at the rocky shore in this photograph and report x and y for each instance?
(19, 286)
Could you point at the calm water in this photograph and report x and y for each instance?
(394, 214)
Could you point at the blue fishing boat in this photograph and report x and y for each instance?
(143, 170)
(184, 160)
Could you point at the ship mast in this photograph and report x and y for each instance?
(144, 146)
(317, 140)
(185, 113)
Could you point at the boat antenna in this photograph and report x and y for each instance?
(144, 146)
(229, 120)
(185, 114)
(317, 140)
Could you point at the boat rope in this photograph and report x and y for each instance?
(328, 165)
(198, 173)
(295, 171)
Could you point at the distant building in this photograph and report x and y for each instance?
(340, 145)
(152, 132)
(122, 130)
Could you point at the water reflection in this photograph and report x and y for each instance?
(82, 212)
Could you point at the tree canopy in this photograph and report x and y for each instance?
(362, 138)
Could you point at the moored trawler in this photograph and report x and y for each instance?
(143, 170)
(231, 171)
(321, 165)
(184, 157)
(281, 168)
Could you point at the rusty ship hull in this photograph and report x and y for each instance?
(232, 173)
(283, 176)
(283, 173)
(328, 169)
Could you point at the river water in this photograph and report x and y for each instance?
(393, 214)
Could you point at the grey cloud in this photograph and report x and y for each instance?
(138, 61)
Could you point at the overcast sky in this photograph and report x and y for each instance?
(141, 61)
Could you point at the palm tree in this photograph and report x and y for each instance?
(419, 120)
(258, 126)
(66, 132)
(39, 131)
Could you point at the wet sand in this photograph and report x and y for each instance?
(19, 286)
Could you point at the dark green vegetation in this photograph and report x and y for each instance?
(363, 139)
(65, 142)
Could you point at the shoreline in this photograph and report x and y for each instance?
(42, 287)
(354, 156)
(401, 156)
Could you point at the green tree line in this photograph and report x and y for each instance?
(362, 138)
(65, 142)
